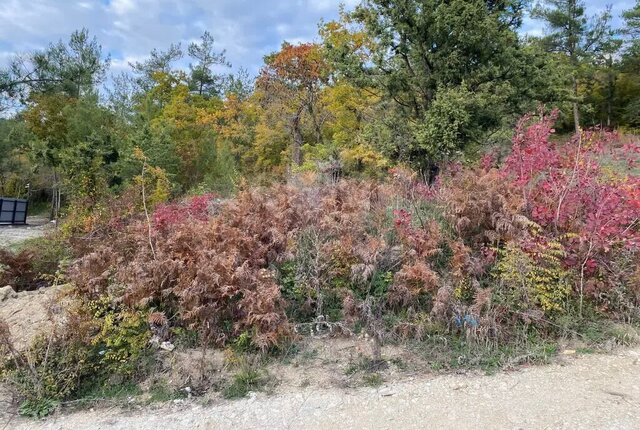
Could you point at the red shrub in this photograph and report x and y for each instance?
(582, 192)
(196, 208)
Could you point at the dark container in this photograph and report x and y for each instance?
(13, 211)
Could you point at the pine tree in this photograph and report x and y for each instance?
(572, 33)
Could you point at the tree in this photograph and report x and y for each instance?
(291, 81)
(16, 174)
(576, 36)
(50, 82)
(630, 66)
(632, 21)
(90, 152)
(74, 68)
(121, 96)
(75, 140)
(631, 31)
(203, 80)
(158, 62)
(239, 84)
(187, 118)
(410, 50)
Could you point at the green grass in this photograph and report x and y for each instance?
(372, 379)
(37, 408)
(587, 335)
(245, 381)
(39, 208)
(365, 364)
(100, 390)
(602, 334)
(161, 392)
(446, 353)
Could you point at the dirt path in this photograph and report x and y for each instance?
(591, 392)
(14, 234)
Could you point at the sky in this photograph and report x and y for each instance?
(129, 29)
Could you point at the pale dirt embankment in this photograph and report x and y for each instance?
(589, 392)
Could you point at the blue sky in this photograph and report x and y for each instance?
(129, 29)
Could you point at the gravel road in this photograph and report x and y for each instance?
(13, 234)
(589, 392)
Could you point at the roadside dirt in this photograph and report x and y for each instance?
(14, 234)
(594, 392)
(26, 313)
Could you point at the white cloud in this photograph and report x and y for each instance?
(130, 29)
(85, 5)
(122, 7)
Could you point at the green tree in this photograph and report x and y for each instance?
(410, 50)
(580, 38)
(51, 82)
(632, 21)
(203, 79)
(158, 62)
(74, 68)
(629, 88)
(16, 173)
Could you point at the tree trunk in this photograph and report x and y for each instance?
(610, 89)
(55, 196)
(576, 112)
(376, 349)
(316, 126)
(296, 154)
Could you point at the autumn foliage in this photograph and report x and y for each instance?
(553, 230)
(586, 194)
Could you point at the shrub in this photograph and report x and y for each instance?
(196, 209)
(483, 208)
(577, 198)
(463, 255)
(532, 279)
(247, 379)
(122, 339)
(50, 370)
(34, 264)
(89, 345)
(216, 274)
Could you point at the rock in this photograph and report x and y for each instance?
(167, 346)
(386, 392)
(7, 292)
(155, 341)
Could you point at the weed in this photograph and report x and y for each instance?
(399, 363)
(244, 381)
(453, 352)
(185, 337)
(365, 364)
(95, 390)
(33, 263)
(161, 392)
(38, 408)
(372, 379)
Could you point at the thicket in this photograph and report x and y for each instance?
(489, 253)
(551, 230)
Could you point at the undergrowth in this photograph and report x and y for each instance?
(492, 266)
